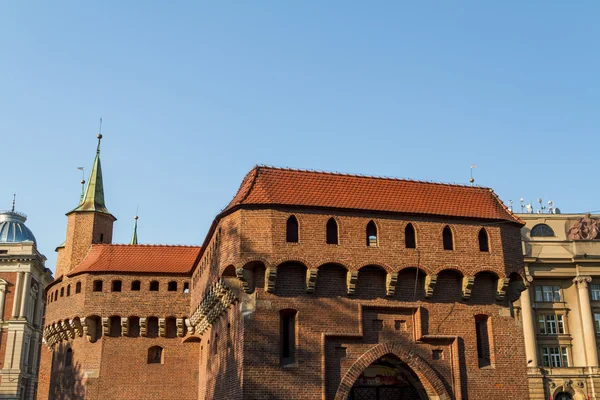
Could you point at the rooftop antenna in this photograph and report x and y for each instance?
(529, 208)
(82, 182)
(550, 207)
(13, 204)
(542, 207)
(510, 207)
(472, 180)
(522, 200)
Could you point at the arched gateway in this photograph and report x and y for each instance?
(390, 372)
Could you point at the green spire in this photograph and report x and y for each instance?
(93, 198)
(134, 237)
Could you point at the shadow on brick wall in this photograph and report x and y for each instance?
(66, 381)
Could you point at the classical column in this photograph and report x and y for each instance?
(2, 300)
(16, 295)
(589, 337)
(528, 325)
(25, 294)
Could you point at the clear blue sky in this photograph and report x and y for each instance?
(194, 94)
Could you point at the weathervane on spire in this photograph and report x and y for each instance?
(99, 137)
(472, 180)
(134, 238)
(82, 169)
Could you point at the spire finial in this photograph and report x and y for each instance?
(99, 137)
(134, 239)
(82, 169)
(13, 204)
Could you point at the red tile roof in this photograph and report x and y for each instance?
(289, 187)
(138, 259)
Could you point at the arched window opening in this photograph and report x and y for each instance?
(97, 286)
(115, 326)
(171, 326)
(410, 237)
(55, 295)
(94, 324)
(186, 287)
(154, 286)
(78, 287)
(155, 355)
(447, 238)
(133, 327)
(484, 358)
(62, 292)
(172, 286)
(483, 241)
(68, 290)
(371, 234)
(136, 286)
(116, 286)
(332, 231)
(291, 235)
(102, 238)
(152, 327)
(541, 230)
(68, 357)
(287, 336)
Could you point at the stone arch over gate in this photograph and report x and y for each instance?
(433, 385)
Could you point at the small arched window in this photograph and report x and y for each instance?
(155, 355)
(55, 295)
(154, 286)
(68, 290)
(410, 238)
(172, 286)
(136, 285)
(186, 287)
(97, 286)
(542, 230)
(447, 238)
(69, 357)
(484, 244)
(332, 231)
(62, 292)
(78, 287)
(371, 234)
(291, 235)
(287, 334)
(116, 286)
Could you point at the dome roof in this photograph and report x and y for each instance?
(13, 229)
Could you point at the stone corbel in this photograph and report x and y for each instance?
(162, 327)
(430, 281)
(124, 326)
(143, 326)
(270, 279)
(391, 280)
(351, 279)
(180, 327)
(105, 326)
(467, 286)
(86, 328)
(311, 279)
(190, 327)
(501, 288)
(240, 273)
(77, 328)
(66, 325)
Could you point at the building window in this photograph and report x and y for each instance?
(483, 342)
(287, 336)
(136, 285)
(484, 244)
(371, 234)
(68, 357)
(555, 357)
(597, 322)
(78, 287)
(97, 286)
(116, 286)
(186, 287)
(62, 292)
(547, 293)
(172, 286)
(595, 289)
(291, 233)
(68, 290)
(155, 355)
(541, 230)
(551, 324)
(331, 232)
(410, 237)
(447, 238)
(154, 286)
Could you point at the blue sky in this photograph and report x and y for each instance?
(194, 94)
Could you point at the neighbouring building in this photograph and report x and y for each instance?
(560, 309)
(23, 279)
(309, 285)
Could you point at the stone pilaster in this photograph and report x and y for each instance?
(589, 338)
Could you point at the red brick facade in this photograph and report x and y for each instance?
(266, 318)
